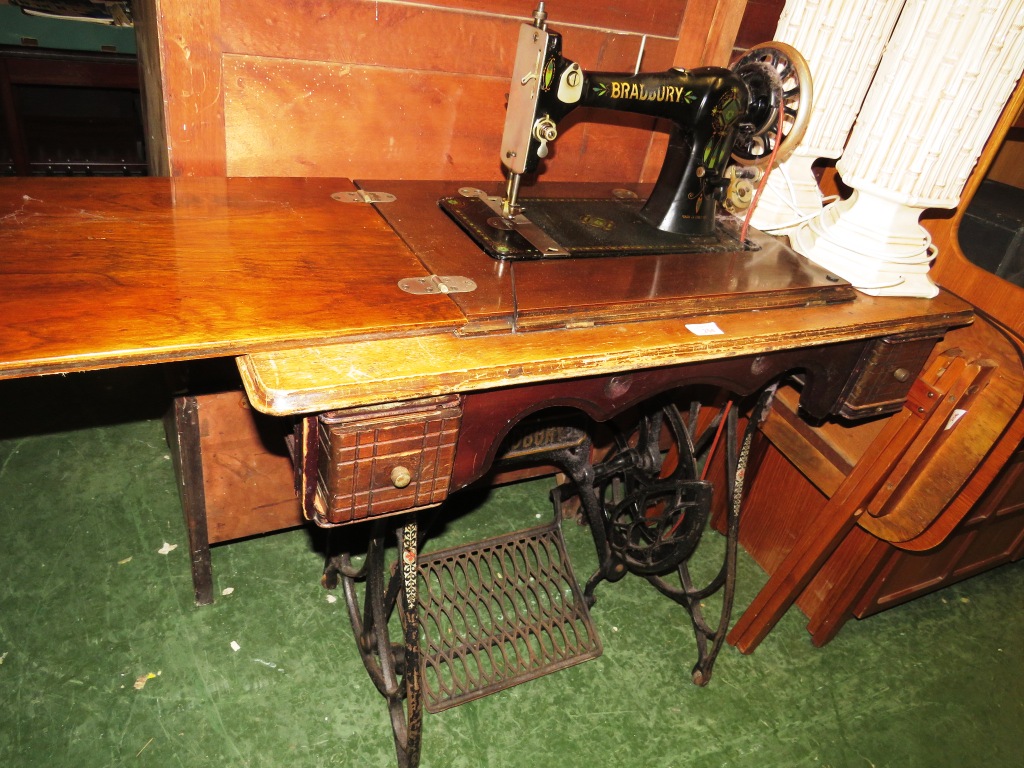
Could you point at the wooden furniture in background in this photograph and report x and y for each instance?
(66, 113)
(235, 475)
(1003, 303)
(858, 498)
(999, 299)
(858, 570)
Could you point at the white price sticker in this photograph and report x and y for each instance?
(704, 329)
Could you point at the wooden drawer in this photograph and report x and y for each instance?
(380, 460)
(884, 374)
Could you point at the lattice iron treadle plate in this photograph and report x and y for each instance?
(499, 612)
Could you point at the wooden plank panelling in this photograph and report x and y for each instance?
(708, 32)
(645, 16)
(394, 88)
(406, 38)
(651, 17)
(288, 118)
(180, 39)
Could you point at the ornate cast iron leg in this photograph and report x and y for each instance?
(648, 508)
(389, 593)
(710, 637)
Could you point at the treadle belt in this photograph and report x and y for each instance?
(499, 612)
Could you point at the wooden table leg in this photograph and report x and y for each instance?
(182, 428)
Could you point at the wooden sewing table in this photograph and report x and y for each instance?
(403, 398)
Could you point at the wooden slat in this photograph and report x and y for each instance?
(147, 40)
(185, 106)
(646, 16)
(760, 19)
(405, 37)
(105, 272)
(824, 454)
(708, 33)
(651, 17)
(247, 473)
(82, 71)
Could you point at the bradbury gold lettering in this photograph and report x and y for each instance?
(639, 92)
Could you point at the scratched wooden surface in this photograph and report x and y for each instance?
(104, 272)
(577, 291)
(382, 370)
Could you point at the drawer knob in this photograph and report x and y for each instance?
(400, 477)
(901, 374)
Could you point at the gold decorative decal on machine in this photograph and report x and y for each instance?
(723, 116)
(622, 89)
(549, 75)
(597, 222)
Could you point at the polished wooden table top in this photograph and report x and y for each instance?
(99, 273)
(534, 321)
(304, 289)
(557, 293)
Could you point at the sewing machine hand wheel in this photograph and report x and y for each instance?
(778, 78)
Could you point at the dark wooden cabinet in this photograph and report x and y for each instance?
(66, 113)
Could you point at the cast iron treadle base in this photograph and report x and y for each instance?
(497, 613)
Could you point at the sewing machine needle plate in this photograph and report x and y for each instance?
(583, 227)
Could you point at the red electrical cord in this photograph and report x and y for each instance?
(715, 441)
(764, 179)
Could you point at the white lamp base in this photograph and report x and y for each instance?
(874, 243)
(790, 197)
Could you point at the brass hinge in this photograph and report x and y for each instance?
(434, 284)
(362, 196)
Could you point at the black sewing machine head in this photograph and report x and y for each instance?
(717, 115)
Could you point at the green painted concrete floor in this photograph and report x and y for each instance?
(89, 605)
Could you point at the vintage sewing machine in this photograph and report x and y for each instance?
(636, 484)
(749, 115)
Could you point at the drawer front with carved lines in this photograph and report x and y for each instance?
(367, 462)
(885, 373)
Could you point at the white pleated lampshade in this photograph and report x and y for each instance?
(942, 82)
(842, 41)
